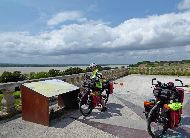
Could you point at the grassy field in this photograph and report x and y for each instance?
(17, 99)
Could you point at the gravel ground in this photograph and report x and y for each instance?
(124, 117)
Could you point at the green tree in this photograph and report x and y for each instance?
(41, 75)
(38, 75)
(17, 76)
(6, 77)
(54, 72)
(75, 70)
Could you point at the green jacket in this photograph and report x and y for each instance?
(94, 75)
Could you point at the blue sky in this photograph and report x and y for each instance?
(102, 31)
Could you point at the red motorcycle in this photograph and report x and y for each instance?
(90, 98)
(160, 112)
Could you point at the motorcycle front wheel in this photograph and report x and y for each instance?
(85, 105)
(155, 127)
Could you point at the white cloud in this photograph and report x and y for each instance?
(144, 52)
(65, 16)
(152, 52)
(154, 32)
(187, 48)
(184, 5)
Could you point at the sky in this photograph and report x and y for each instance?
(101, 31)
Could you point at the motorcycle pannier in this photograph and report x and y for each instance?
(110, 87)
(180, 95)
(175, 111)
(175, 117)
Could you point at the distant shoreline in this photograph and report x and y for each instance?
(27, 70)
(52, 65)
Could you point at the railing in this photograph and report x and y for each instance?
(8, 101)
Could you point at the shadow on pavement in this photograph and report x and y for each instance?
(113, 110)
(186, 109)
(10, 118)
(135, 108)
(62, 120)
(185, 120)
(181, 132)
(65, 118)
(119, 131)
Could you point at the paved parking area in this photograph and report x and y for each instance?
(124, 117)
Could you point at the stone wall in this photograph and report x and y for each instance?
(180, 71)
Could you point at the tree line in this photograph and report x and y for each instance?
(18, 76)
(160, 63)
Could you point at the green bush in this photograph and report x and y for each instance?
(6, 77)
(12, 77)
(17, 76)
(75, 70)
(106, 68)
(100, 68)
(38, 75)
(17, 95)
(41, 75)
(32, 75)
(54, 73)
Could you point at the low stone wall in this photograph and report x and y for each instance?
(160, 71)
(8, 101)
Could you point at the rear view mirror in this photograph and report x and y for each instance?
(153, 81)
(180, 81)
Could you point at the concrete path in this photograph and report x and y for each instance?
(124, 117)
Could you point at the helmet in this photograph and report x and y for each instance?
(93, 65)
(170, 84)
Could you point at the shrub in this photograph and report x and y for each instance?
(54, 72)
(106, 68)
(88, 69)
(17, 76)
(75, 70)
(12, 77)
(32, 75)
(100, 68)
(6, 77)
(16, 95)
(39, 75)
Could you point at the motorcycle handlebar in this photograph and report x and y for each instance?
(158, 82)
(183, 86)
(153, 81)
(180, 82)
